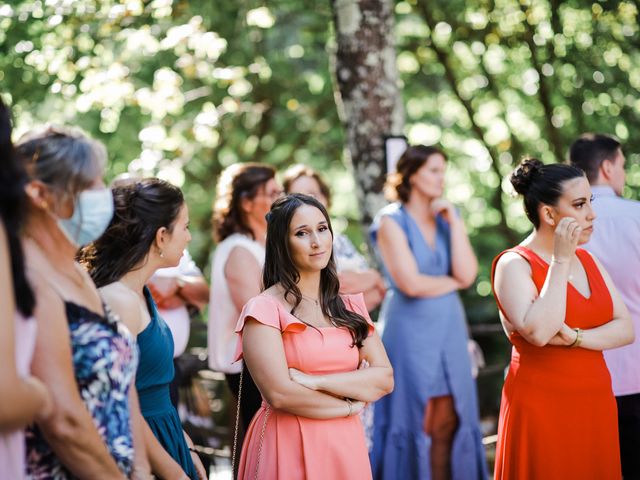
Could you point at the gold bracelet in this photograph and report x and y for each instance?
(578, 340)
(350, 407)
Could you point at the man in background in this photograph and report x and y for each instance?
(616, 243)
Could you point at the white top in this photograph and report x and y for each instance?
(177, 318)
(223, 314)
(12, 447)
(616, 231)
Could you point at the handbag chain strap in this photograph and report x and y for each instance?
(235, 432)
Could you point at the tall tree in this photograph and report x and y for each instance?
(368, 95)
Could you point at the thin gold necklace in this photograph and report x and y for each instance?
(315, 301)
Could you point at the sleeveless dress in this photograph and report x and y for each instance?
(294, 447)
(154, 375)
(104, 361)
(558, 415)
(12, 445)
(426, 340)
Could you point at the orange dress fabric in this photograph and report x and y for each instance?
(295, 447)
(558, 415)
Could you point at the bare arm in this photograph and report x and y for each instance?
(369, 282)
(265, 358)
(126, 305)
(464, 264)
(70, 430)
(613, 334)
(538, 318)
(402, 267)
(365, 384)
(23, 399)
(243, 274)
(142, 469)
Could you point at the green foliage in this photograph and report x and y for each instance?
(181, 89)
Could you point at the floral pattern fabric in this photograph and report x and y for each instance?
(105, 359)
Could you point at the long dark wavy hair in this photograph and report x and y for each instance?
(13, 206)
(280, 268)
(237, 182)
(141, 208)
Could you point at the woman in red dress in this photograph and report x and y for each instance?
(559, 309)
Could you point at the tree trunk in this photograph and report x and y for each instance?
(367, 94)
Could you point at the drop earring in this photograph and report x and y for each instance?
(161, 254)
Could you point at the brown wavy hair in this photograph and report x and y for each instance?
(141, 208)
(397, 186)
(294, 172)
(280, 268)
(237, 182)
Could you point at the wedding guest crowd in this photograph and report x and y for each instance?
(88, 272)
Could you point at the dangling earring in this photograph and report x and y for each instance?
(161, 254)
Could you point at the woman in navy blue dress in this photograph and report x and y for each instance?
(428, 428)
(149, 230)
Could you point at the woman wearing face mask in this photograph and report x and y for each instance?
(560, 309)
(85, 356)
(303, 342)
(149, 231)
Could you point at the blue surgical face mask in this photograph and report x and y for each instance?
(92, 213)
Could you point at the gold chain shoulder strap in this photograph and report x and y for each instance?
(235, 432)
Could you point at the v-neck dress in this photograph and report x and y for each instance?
(558, 416)
(426, 340)
(282, 446)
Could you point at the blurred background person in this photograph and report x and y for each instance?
(614, 242)
(244, 194)
(354, 272)
(429, 426)
(149, 230)
(305, 343)
(24, 397)
(559, 309)
(84, 354)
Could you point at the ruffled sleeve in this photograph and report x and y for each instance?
(355, 303)
(265, 309)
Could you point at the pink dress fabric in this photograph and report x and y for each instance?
(12, 446)
(295, 447)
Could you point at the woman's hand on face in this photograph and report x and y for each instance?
(303, 379)
(566, 238)
(565, 336)
(444, 208)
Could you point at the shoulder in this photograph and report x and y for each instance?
(124, 303)
(267, 310)
(511, 262)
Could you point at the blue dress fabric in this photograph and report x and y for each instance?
(154, 375)
(426, 340)
(104, 359)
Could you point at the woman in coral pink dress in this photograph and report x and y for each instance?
(560, 309)
(313, 353)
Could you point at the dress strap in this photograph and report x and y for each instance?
(596, 280)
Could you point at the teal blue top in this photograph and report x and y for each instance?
(155, 373)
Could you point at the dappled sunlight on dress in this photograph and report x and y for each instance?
(295, 447)
(558, 417)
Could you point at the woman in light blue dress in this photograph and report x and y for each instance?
(428, 428)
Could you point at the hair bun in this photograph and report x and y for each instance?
(522, 177)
